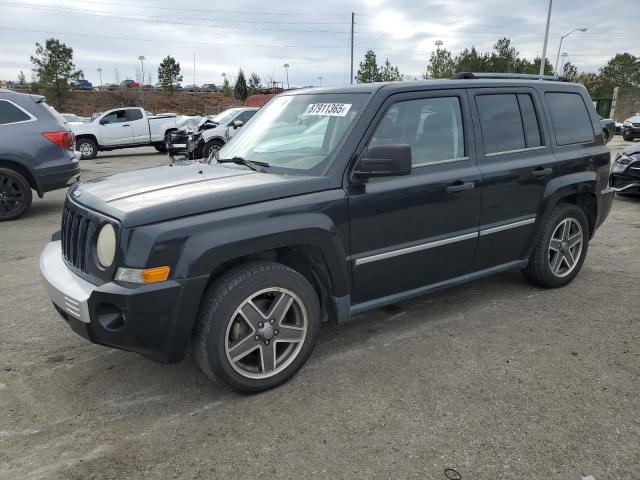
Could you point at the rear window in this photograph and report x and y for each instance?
(501, 124)
(11, 113)
(570, 117)
(134, 114)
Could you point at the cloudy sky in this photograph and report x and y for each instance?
(311, 36)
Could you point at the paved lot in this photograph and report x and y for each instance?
(497, 379)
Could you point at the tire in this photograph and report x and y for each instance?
(222, 331)
(88, 148)
(626, 137)
(547, 268)
(15, 195)
(206, 148)
(605, 136)
(160, 147)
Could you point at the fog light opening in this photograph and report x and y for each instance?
(110, 317)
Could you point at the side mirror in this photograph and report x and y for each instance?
(103, 122)
(384, 161)
(237, 124)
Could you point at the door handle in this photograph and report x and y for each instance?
(126, 125)
(460, 186)
(541, 172)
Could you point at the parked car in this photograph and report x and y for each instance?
(110, 87)
(214, 134)
(82, 85)
(625, 174)
(73, 119)
(192, 88)
(36, 152)
(123, 128)
(631, 128)
(209, 87)
(129, 83)
(608, 129)
(415, 186)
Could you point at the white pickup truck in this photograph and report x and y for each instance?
(123, 128)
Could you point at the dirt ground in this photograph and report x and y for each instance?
(495, 379)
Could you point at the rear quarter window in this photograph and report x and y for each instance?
(570, 117)
(11, 113)
(502, 129)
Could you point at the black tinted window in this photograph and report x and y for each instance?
(244, 117)
(134, 114)
(9, 113)
(431, 126)
(571, 120)
(501, 123)
(529, 121)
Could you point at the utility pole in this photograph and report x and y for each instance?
(320, 79)
(286, 68)
(194, 84)
(353, 23)
(543, 59)
(100, 73)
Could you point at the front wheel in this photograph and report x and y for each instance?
(257, 326)
(627, 137)
(561, 250)
(210, 148)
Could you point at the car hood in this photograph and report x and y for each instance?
(632, 150)
(162, 193)
(634, 119)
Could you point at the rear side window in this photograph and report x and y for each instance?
(11, 113)
(571, 120)
(134, 114)
(501, 124)
(529, 121)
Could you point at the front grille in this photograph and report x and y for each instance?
(77, 232)
(636, 124)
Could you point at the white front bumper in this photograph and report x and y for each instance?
(66, 289)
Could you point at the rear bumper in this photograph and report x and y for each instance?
(54, 177)
(154, 320)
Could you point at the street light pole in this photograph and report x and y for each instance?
(286, 68)
(100, 73)
(562, 37)
(141, 58)
(564, 59)
(543, 59)
(320, 79)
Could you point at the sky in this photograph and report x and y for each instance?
(313, 37)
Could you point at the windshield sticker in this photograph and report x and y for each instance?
(328, 109)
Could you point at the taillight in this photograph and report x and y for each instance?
(62, 139)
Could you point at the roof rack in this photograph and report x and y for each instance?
(507, 76)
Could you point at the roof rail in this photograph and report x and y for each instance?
(508, 76)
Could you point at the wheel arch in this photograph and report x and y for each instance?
(90, 136)
(25, 172)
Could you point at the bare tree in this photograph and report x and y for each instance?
(116, 74)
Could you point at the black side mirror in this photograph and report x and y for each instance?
(384, 161)
(103, 122)
(237, 123)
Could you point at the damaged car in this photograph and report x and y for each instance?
(625, 173)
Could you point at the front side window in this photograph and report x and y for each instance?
(297, 133)
(9, 113)
(570, 117)
(245, 116)
(502, 128)
(432, 127)
(118, 116)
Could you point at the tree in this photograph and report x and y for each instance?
(255, 84)
(116, 75)
(569, 71)
(226, 88)
(472, 61)
(593, 83)
(505, 57)
(169, 73)
(621, 71)
(240, 91)
(368, 71)
(387, 73)
(22, 80)
(53, 65)
(441, 65)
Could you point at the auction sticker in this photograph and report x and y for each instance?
(328, 109)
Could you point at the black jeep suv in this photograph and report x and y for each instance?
(332, 201)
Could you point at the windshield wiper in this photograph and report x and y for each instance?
(257, 166)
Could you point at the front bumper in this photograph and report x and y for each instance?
(631, 131)
(154, 320)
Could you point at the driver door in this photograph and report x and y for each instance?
(115, 129)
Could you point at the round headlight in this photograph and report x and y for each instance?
(106, 245)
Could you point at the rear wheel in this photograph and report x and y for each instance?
(627, 137)
(160, 147)
(87, 147)
(15, 194)
(562, 248)
(257, 326)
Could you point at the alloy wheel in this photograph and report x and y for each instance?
(266, 333)
(565, 247)
(11, 196)
(86, 149)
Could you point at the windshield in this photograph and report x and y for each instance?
(225, 116)
(297, 133)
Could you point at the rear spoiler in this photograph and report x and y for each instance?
(38, 98)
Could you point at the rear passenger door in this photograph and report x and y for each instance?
(412, 232)
(516, 162)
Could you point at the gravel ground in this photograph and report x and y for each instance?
(496, 379)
